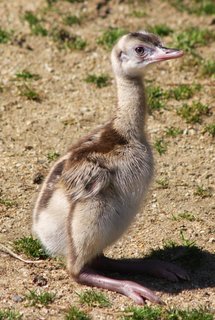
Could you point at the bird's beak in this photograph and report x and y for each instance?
(162, 53)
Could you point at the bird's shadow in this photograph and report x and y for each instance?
(200, 265)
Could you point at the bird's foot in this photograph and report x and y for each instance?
(133, 290)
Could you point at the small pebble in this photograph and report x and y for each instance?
(211, 240)
(38, 178)
(40, 281)
(16, 298)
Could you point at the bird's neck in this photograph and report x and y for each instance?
(131, 109)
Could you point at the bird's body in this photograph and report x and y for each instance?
(102, 212)
(93, 193)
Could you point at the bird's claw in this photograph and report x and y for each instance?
(140, 294)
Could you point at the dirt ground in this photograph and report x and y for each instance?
(69, 108)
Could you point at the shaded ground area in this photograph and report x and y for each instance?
(41, 114)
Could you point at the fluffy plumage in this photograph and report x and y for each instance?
(93, 193)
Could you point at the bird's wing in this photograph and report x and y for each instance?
(86, 179)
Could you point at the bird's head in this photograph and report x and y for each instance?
(136, 50)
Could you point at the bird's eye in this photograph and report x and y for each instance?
(140, 50)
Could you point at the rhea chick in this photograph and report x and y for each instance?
(93, 193)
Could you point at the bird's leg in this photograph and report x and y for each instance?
(128, 288)
(157, 268)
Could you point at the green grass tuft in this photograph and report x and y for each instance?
(139, 14)
(110, 36)
(78, 44)
(94, 298)
(203, 192)
(210, 129)
(40, 298)
(208, 68)
(100, 81)
(158, 313)
(160, 29)
(146, 313)
(35, 24)
(161, 146)
(156, 97)
(163, 183)
(39, 30)
(189, 315)
(193, 113)
(66, 40)
(4, 36)
(187, 242)
(183, 91)
(173, 132)
(208, 7)
(70, 20)
(8, 203)
(193, 37)
(31, 18)
(29, 93)
(31, 247)
(199, 7)
(168, 244)
(184, 216)
(76, 314)
(8, 314)
(27, 75)
(53, 155)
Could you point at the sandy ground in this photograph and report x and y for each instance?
(69, 108)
